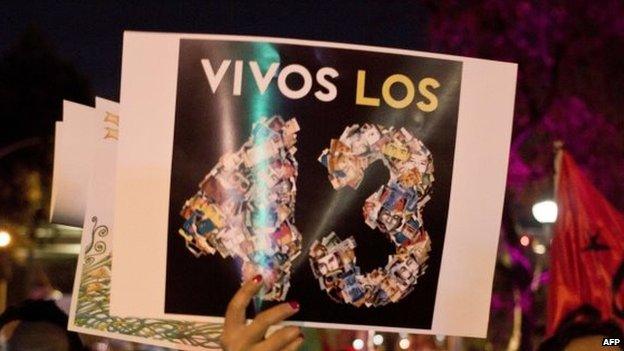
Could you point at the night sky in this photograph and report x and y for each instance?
(89, 35)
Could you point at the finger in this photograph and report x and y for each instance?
(274, 315)
(235, 313)
(294, 345)
(280, 339)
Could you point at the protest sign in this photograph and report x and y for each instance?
(89, 310)
(366, 183)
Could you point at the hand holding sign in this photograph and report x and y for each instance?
(239, 336)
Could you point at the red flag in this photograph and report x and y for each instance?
(587, 249)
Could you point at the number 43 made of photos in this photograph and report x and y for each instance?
(245, 207)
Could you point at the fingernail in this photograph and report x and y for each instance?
(257, 279)
(301, 335)
(294, 305)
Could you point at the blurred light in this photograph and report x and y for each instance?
(101, 346)
(57, 249)
(539, 249)
(5, 238)
(545, 211)
(378, 339)
(525, 240)
(55, 295)
(440, 338)
(404, 344)
(358, 344)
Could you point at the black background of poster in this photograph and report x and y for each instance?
(203, 286)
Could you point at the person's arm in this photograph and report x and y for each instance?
(240, 336)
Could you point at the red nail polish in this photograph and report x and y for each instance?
(257, 279)
(294, 305)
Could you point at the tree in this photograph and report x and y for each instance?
(34, 80)
(570, 81)
(570, 88)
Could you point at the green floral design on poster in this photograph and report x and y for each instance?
(92, 309)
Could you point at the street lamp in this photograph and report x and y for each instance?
(404, 344)
(539, 249)
(5, 238)
(545, 211)
(378, 339)
(358, 344)
(525, 240)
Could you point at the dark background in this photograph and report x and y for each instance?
(570, 87)
(89, 34)
(204, 286)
